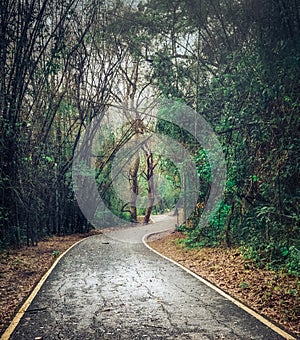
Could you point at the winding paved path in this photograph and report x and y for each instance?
(111, 286)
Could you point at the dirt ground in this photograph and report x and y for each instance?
(273, 294)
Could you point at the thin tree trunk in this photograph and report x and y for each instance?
(228, 227)
(150, 181)
(134, 188)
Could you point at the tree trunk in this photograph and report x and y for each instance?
(150, 181)
(228, 227)
(134, 188)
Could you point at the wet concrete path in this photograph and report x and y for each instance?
(112, 287)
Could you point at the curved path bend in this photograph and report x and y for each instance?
(111, 286)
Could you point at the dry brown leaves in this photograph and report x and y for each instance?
(275, 295)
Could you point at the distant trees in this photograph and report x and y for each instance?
(56, 71)
(35, 43)
(236, 63)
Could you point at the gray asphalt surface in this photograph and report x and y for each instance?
(111, 286)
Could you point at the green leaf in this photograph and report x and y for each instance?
(49, 159)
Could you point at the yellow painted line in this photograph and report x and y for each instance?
(221, 292)
(10, 329)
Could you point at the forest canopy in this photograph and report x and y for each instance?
(235, 63)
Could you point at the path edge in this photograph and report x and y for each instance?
(248, 310)
(22, 310)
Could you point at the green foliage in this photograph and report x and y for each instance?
(236, 63)
(252, 100)
(55, 253)
(212, 235)
(244, 285)
(292, 255)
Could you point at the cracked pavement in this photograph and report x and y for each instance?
(111, 286)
